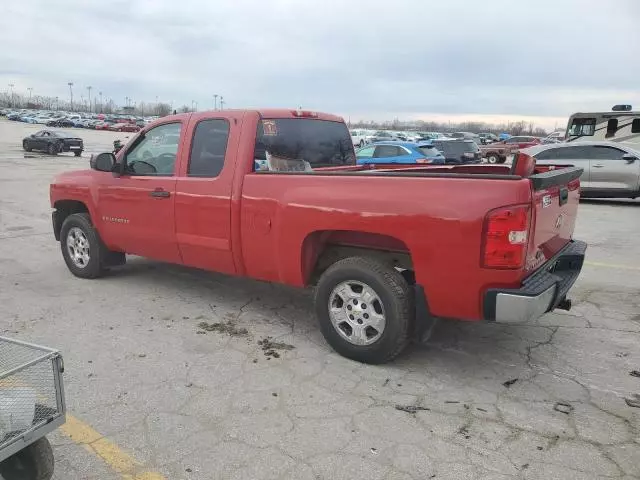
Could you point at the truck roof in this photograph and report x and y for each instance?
(264, 113)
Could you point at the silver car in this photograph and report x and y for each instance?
(611, 169)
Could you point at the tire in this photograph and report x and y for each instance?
(78, 153)
(34, 462)
(361, 143)
(52, 149)
(91, 262)
(393, 297)
(493, 158)
(26, 146)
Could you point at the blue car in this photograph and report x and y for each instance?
(408, 153)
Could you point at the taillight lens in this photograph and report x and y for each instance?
(506, 232)
(424, 160)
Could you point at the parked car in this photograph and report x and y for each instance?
(60, 122)
(28, 118)
(487, 138)
(611, 169)
(399, 152)
(497, 152)
(521, 141)
(383, 136)
(53, 142)
(457, 151)
(467, 136)
(554, 137)
(376, 243)
(359, 137)
(103, 125)
(124, 127)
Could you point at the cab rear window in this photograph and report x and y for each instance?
(302, 144)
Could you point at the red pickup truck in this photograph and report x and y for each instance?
(276, 195)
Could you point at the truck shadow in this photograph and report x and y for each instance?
(469, 345)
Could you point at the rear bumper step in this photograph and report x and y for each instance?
(541, 292)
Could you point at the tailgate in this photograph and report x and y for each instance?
(556, 194)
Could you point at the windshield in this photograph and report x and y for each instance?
(302, 144)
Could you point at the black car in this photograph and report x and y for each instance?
(53, 142)
(60, 122)
(458, 151)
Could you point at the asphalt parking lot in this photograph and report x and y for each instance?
(156, 391)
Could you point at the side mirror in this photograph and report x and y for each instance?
(103, 162)
(629, 157)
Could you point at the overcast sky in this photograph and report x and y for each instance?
(490, 59)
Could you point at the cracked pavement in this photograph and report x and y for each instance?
(478, 401)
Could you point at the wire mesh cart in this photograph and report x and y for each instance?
(31, 406)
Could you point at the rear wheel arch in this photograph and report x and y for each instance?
(321, 249)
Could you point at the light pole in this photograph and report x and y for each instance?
(30, 90)
(57, 104)
(215, 101)
(194, 105)
(89, 91)
(221, 102)
(11, 85)
(71, 93)
(100, 93)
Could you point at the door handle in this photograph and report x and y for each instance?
(159, 193)
(598, 166)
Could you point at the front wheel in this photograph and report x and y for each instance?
(78, 153)
(365, 309)
(82, 248)
(26, 147)
(34, 462)
(493, 159)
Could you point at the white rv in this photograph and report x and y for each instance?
(619, 125)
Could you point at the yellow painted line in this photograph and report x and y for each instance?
(612, 265)
(117, 459)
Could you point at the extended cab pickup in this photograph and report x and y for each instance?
(276, 195)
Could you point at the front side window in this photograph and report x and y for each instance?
(635, 125)
(208, 148)
(583, 127)
(302, 144)
(155, 152)
(612, 128)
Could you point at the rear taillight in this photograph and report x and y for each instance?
(424, 160)
(506, 231)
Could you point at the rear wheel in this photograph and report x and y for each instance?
(493, 158)
(52, 149)
(361, 143)
(78, 153)
(365, 309)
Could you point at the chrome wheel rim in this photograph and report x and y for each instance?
(357, 313)
(492, 159)
(78, 247)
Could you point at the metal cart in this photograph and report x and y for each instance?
(31, 406)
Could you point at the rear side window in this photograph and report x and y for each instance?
(560, 153)
(635, 125)
(605, 153)
(583, 126)
(208, 148)
(428, 150)
(301, 144)
(385, 151)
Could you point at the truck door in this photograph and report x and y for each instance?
(609, 171)
(203, 192)
(137, 208)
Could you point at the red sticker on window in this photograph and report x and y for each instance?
(269, 128)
